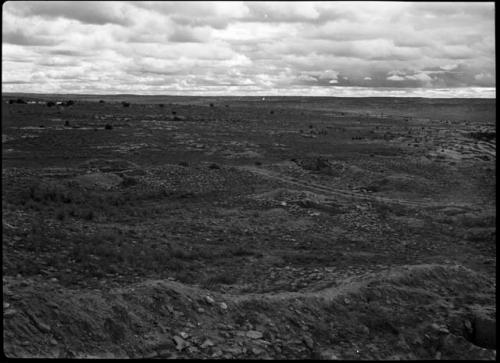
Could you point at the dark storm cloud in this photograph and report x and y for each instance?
(16, 82)
(314, 47)
(67, 52)
(90, 12)
(18, 37)
(189, 35)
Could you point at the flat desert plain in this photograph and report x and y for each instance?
(249, 227)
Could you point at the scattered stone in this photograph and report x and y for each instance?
(257, 351)
(6, 305)
(209, 300)
(193, 350)
(165, 353)
(184, 335)
(254, 334)
(151, 355)
(440, 328)
(180, 343)
(309, 342)
(52, 305)
(43, 327)
(223, 306)
(217, 353)
(328, 354)
(9, 312)
(233, 350)
(201, 310)
(207, 343)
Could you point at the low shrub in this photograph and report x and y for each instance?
(219, 279)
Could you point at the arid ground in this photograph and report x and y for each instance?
(191, 227)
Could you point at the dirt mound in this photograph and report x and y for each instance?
(401, 183)
(97, 180)
(414, 312)
(323, 165)
(300, 198)
(108, 164)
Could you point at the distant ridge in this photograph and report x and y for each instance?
(111, 95)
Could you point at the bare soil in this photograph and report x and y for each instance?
(284, 228)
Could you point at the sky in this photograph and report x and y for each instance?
(329, 48)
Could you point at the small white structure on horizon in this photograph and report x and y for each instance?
(263, 98)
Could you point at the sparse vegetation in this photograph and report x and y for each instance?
(140, 225)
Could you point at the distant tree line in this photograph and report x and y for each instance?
(19, 100)
(63, 103)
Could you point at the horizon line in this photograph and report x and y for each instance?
(231, 96)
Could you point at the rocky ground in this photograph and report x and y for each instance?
(238, 228)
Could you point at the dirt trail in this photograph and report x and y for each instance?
(334, 192)
(349, 285)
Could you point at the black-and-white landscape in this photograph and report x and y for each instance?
(249, 180)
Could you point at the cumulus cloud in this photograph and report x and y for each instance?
(237, 47)
(395, 77)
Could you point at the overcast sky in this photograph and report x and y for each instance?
(250, 48)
